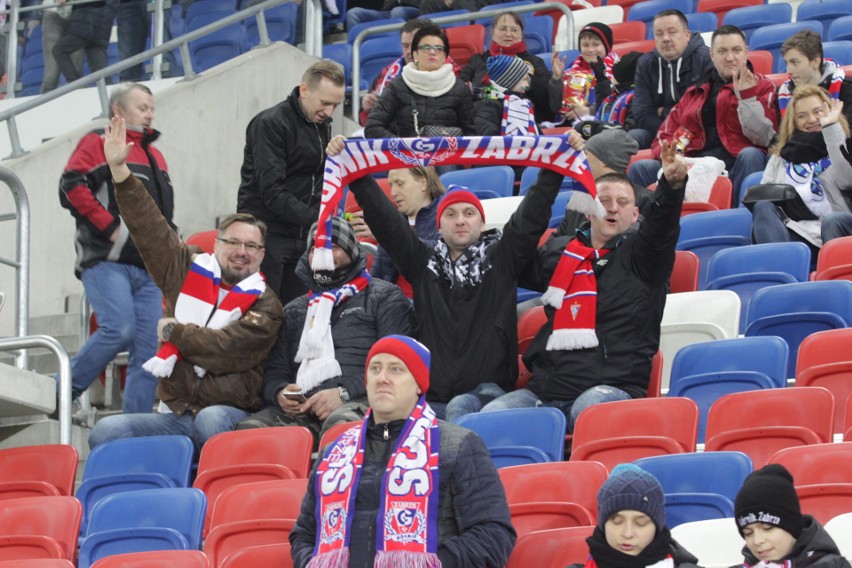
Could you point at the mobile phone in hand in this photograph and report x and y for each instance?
(295, 395)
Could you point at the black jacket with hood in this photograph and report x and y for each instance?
(814, 549)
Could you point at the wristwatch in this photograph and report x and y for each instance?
(167, 330)
(344, 394)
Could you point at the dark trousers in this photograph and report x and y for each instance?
(133, 23)
(95, 54)
(279, 266)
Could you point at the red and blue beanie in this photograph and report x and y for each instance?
(458, 194)
(414, 354)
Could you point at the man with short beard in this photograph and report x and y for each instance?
(223, 323)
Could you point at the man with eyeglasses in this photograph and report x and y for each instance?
(223, 320)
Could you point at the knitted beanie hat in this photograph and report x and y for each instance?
(507, 70)
(630, 487)
(602, 31)
(614, 147)
(624, 70)
(458, 194)
(414, 354)
(342, 235)
(768, 496)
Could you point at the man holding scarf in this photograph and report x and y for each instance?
(403, 488)
(327, 333)
(224, 320)
(605, 289)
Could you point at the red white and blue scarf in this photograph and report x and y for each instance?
(407, 523)
(614, 108)
(785, 91)
(582, 67)
(196, 304)
(391, 72)
(363, 157)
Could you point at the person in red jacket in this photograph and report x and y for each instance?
(730, 114)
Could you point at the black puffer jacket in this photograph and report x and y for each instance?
(540, 89)
(392, 116)
(813, 549)
(93, 21)
(283, 164)
(632, 285)
(381, 309)
(474, 527)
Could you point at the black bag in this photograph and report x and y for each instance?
(784, 196)
(434, 131)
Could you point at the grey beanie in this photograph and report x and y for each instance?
(630, 487)
(614, 147)
(342, 235)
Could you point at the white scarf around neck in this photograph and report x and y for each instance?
(429, 83)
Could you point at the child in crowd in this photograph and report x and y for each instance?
(632, 531)
(776, 533)
(615, 109)
(503, 108)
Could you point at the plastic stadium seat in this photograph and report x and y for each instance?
(253, 514)
(567, 36)
(839, 528)
(207, 9)
(722, 7)
(257, 556)
(835, 260)
(465, 42)
(716, 542)
(840, 29)
(217, 47)
(644, 46)
(557, 210)
(37, 563)
(280, 25)
(720, 198)
(711, 231)
(645, 11)
(133, 464)
(762, 61)
(771, 37)
(142, 521)
(434, 15)
(700, 22)
(530, 175)
(552, 495)
(39, 527)
(538, 34)
(826, 361)
(698, 486)
(838, 51)
(707, 371)
(685, 272)
(248, 456)
(335, 432)
(358, 28)
(628, 31)
(656, 379)
(155, 559)
(499, 180)
(547, 57)
(759, 423)
(751, 18)
(554, 548)
(556, 15)
(204, 240)
(626, 430)
(528, 325)
(695, 317)
(745, 270)
(794, 311)
(342, 53)
(377, 53)
(540, 428)
(39, 470)
(847, 425)
(754, 178)
(823, 11)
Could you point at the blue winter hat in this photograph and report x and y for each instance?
(630, 487)
(506, 70)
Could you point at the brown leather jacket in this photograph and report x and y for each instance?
(233, 355)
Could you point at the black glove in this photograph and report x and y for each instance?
(599, 69)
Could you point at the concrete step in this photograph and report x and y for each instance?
(44, 431)
(24, 393)
(56, 325)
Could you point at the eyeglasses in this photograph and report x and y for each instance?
(509, 29)
(233, 244)
(436, 48)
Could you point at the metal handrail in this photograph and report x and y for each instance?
(23, 343)
(21, 263)
(373, 30)
(100, 77)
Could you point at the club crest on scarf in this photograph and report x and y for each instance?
(362, 157)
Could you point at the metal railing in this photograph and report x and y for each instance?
(23, 343)
(470, 17)
(21, 262)
(181, 43)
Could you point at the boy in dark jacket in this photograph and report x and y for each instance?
(503, 108)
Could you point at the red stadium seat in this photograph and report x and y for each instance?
(277, 555)
(32, 471)
(628, 31)
(39, 527)
(334, 432)
(465, 42)
(204, 240)
(551, 549)
(835, 260)
(155, 559)
(721, 7)
(825, 360)
(685, 273)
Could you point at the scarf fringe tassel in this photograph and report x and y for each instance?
(397, 558)
(585, 203)
(571, 339)
(332, 559)
(553, 297)
(160, 367)
(314, 372)
(323, 259)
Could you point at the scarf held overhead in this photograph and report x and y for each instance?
(196, 304)
(363, 157)
(407, 523)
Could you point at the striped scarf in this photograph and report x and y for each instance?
(614, 108)
(581, 68)
(786, 89)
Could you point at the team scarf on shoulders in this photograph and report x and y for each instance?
(407, 523)
(573, 291)
(614, 108)
(786, 89)
(514, 49)
(316, 347)
(364, 157)
(518, 117)
(196, 304)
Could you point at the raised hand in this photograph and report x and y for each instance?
(116, 148)
(558, 65)
(834, 110)
(744, 79)
(674, 165)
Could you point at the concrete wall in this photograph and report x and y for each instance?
(203, 133)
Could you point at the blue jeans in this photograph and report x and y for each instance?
(355, 16)
(835, 225)
(127, 305)
(525, 398)
(643, 137)
(467, 403)
(200, 428)
(768, 224)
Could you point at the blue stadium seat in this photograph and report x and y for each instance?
(698, 22)
(838, 51)
(538, 34)
(750, 18)
(770, 38)
(711, 231)
(698, 486)
(794, 311)
(748, 181)
(330, 22)
(376, 54)
(139, 521)
(358, 28)
(217, 47)
(205, 12)
(342, 53)
(521, 432)
(133, 464)
(434, 15)
(569, 56)
(487, 14)
(707, 371)
(840, 29)
(745, 270)
(486, 182)
(557, 211)
(30, 80)
(530, 175)
(280, 25)
(823, 11)
(33, 43)
(645, 11)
